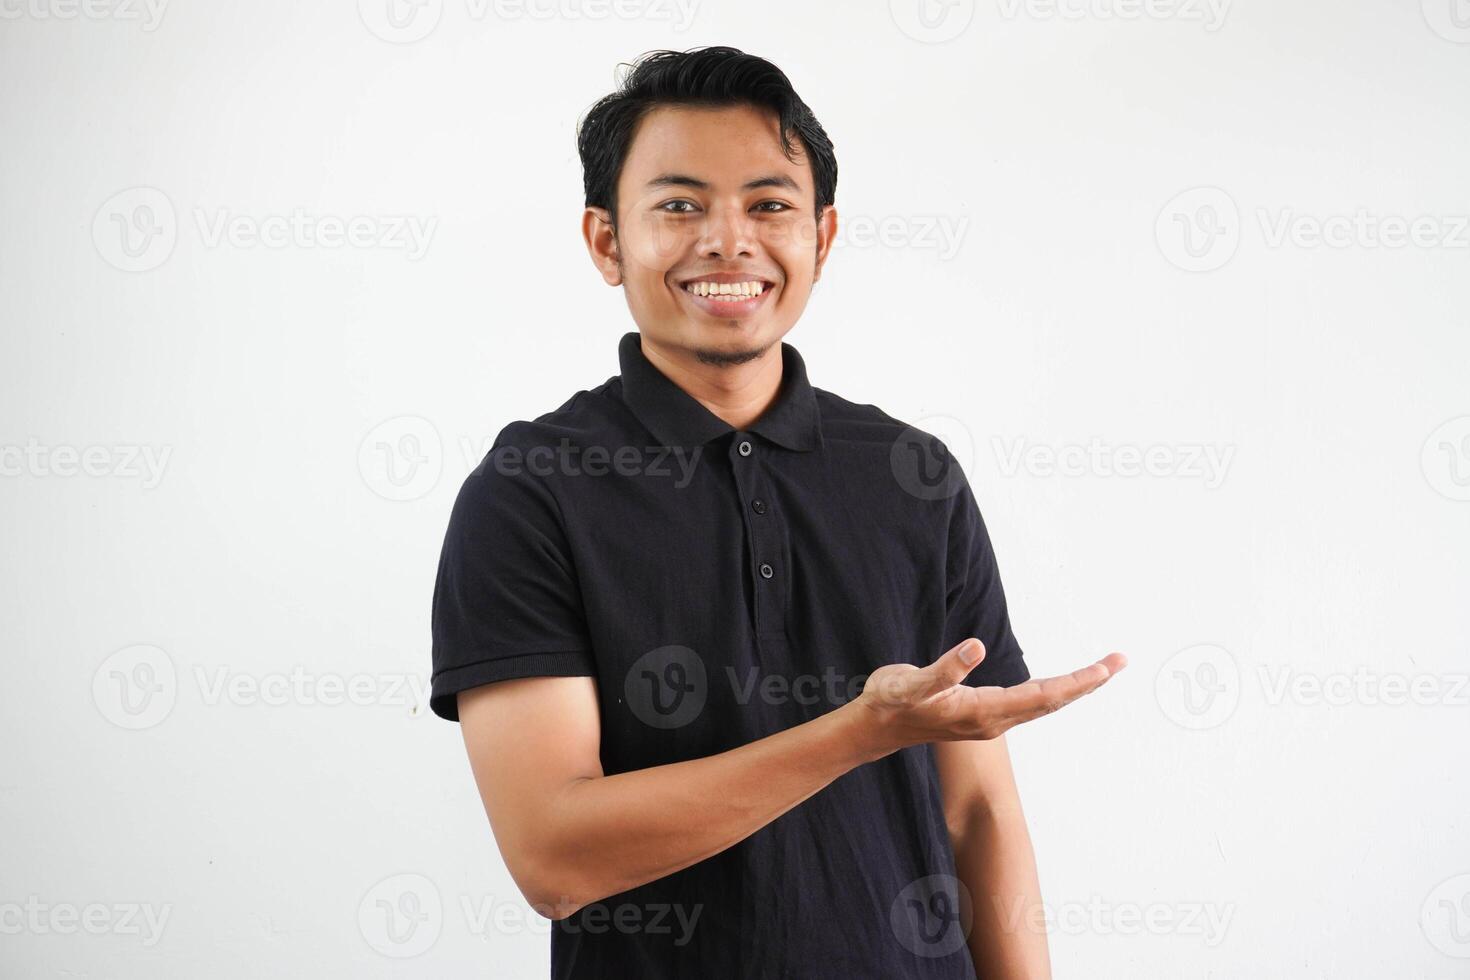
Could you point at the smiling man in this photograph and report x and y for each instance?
(743, 717)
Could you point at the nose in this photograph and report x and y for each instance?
(728, 233)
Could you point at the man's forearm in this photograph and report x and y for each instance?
(994, 859)
(612, 833)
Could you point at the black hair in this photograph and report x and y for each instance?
(708, 77)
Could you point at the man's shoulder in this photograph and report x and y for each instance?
(860, 421)
(525, 450)
(586, 417)
(919, 456)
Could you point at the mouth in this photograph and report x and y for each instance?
(728, 295)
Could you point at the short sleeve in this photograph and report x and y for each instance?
(506, 600)
(975, 601)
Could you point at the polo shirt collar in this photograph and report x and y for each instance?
(677, 419)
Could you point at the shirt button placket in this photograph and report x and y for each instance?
(764, 541)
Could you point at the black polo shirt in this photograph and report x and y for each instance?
(722, 585)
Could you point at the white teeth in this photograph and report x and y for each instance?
(727, 290)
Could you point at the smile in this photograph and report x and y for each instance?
(726, 290)
(727, 299)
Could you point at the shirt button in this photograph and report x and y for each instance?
(745, 447)
(766, 570)
(759, 506)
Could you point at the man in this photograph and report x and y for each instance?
(730, 653)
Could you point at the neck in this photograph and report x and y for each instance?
(737, 393)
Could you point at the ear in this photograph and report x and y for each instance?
(826, 235)
(602, 244)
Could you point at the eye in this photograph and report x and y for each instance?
(666, 207)
(779, 206)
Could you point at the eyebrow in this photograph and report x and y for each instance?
(684, 180)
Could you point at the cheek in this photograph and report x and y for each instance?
(653, 246)
(794, 247)
(650, 290)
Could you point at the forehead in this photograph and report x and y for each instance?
(721, 146)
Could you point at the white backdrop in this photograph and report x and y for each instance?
(1183, 282)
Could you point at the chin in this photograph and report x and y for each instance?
(736, 344)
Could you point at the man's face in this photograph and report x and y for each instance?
(718, 243)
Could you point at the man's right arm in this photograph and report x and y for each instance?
(571, 835)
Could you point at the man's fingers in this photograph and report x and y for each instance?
(951, 667)
(1024, 702)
